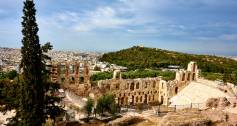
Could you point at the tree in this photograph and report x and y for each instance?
(97, 68)
(235, 77)
(36, 97)
(106, 103)
(88, 107)
(226, 77)
(12, 74)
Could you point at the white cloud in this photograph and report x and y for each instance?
(116, 16)
(102, 17)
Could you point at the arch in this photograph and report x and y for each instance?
(176, 90)
(137, 85)
(145, 99)
(183, 77)
(193, 76)
(194, 67)
(162, 100)
(132, 86)
(189, 74)
(71, 68)
(122, 100)
(154, 84)
(132, 102)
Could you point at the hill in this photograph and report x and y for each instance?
(143, 57)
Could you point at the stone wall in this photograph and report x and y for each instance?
(148, 90)
(70, 72)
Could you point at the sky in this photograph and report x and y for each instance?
(195, 26)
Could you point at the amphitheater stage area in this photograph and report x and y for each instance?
(196, 94)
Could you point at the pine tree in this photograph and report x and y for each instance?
(36, 98)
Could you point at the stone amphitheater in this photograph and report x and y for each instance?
(185, 90)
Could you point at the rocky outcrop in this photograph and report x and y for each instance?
(217, 102)
(185, 118)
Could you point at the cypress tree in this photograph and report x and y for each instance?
(31, 109)
(36, 100)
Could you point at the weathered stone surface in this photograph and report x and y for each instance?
(185, 118)
(223, 102)
(217, 102)
(212, 102)
(148, 90)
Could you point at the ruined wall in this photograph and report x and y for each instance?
(135, 91)
(183, 78)
(70, 72)
(148, 90)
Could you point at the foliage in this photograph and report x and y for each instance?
(226, 77)
(88, 107)
(143, 57)
(10, 75)
(8, 94)
(166, 75)
(32, 94)
(97, 68)
(153, 58)
(106, 103)
(101, 76)
(212, 76)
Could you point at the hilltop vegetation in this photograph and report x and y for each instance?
(166, 75)
(153, 58)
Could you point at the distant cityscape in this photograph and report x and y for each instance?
(10, 59)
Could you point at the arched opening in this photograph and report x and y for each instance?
(154, 84)
(132, 102)
(162, 100)
(189, 74)
(136, 99)
(72, 80)
(194, 67)
(193, 76)
(145, 100)
(176, 90)
(183, 78)
(132, 86)
(137, 85)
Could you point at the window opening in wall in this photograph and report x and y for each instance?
(154, 84)
(145, 99)
(162, 100)
(137, 85)
(132, 86)
(193, 76)
(176, 90)
(183, 77)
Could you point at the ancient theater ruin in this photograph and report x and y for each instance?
(70, 72)
(126, 91)
(148, 90)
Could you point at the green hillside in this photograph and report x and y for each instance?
(153, 58)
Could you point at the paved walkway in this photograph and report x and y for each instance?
(75, 99)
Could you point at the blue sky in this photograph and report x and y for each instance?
(197, 26)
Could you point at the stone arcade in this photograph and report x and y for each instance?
(70, 72)
(127, 91)
(148, 90)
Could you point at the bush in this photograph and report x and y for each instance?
(106, 103)
(88, 107)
